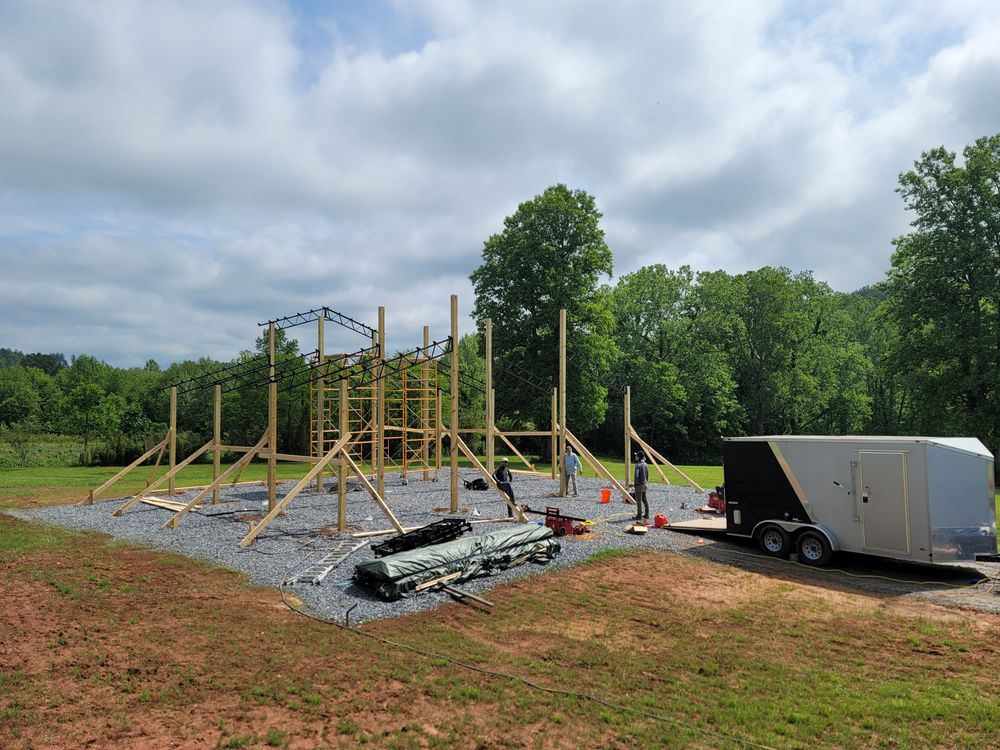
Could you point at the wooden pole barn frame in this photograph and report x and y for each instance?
(369, 413)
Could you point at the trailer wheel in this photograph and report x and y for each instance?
(774, 541)
(814, 549)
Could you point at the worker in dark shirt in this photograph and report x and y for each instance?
(641, 478)
(503, 477)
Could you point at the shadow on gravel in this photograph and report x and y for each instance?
(857, 574)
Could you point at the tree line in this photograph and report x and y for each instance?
(706, 354)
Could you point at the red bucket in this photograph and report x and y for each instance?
(605, 496)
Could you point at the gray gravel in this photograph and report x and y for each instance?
(303, 535)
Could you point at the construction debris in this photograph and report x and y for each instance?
(433, 533)
(459, 560)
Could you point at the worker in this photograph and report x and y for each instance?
(503, 477)
(571, 467)
(641, 478)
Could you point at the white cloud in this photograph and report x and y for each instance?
(171, 173)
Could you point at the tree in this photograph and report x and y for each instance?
(19, 400)
(551, 254)
(683, 393)
(81, 408)
(10, 357)
(944, 291)
(788, 345)
(50, 364)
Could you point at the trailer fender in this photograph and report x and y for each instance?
(794, 528)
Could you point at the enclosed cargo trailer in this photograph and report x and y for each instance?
(909, 498)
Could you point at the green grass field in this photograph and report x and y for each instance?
(62, 484)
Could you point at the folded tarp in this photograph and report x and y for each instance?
(399, 574)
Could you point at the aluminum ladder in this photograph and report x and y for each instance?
(320, 569)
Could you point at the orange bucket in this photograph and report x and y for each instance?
(605, 496)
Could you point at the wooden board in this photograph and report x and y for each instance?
(700, 524)
(161, 502)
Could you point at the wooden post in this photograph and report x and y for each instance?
(320, 401)
(453, 441)
(554, 443)
(173, 438)
(217, 432)
(628, 433)
(562, 398)
(490, 399)
(425, 407)
(439, 420)
(272, 424)
(380, 410)
(342, 464)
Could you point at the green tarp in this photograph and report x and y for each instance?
(397, 575)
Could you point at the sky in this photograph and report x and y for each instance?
(173, 173)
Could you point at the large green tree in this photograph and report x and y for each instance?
(944, 291)
(789, 347)
(551, 254)
(683, 393)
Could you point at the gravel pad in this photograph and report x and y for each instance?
(307, 530)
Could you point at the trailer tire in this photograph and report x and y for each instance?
(774, 541)
(814, 548)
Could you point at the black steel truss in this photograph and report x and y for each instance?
(297, 319)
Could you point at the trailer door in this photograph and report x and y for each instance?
(885, 517)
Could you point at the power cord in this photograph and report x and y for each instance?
(524, 681)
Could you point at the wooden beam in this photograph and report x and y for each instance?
(299, 486)
(372, 491)
(425, 407)
(562, 400)
(653, 452)
(597, 466)
(510, 445)
(320, 426)
(94, 493)
(216, 483)
(217, 438)
(379, 435)
(490, 480)
(554, 441)
(162, 502)
(272, 423)
(627, 420)
(343, 418)
(527, 433)
(173, 438)
(437, 581)
(168, 477)
(490, 400)
(454, 404)
(156, 463)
